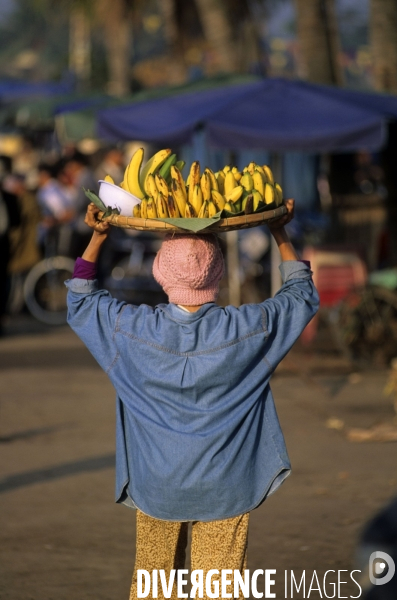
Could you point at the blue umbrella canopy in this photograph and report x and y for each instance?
(275, 114)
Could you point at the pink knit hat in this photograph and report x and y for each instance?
(189, 268)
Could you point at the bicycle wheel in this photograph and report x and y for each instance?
(45, 292)
(367, 323)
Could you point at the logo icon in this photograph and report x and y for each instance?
(381, 568)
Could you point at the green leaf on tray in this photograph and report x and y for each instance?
(107, 210)
(95, 199)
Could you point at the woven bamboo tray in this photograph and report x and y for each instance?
(228, 224)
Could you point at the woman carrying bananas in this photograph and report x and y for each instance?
(198, 439)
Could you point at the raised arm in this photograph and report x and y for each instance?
(93, 313)
(99, 235)
(296, 303)
(282, 240)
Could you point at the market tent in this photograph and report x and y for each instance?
(275, 114)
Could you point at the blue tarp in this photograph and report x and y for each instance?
(13, 89)
(384, 104)
(274, 114)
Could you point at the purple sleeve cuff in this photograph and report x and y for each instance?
(306, 262)
(84, 269)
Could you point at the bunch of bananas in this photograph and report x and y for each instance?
(164, 193)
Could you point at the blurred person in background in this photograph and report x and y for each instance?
(25, 251)
(9, 218)
(25, 164)
(80, 176)
(113, 165)
(57, 210)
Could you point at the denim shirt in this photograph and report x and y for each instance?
(197, 433)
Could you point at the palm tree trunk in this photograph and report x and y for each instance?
(117, 31)
(319, 41)
(218, 32)
(168, 11)
(80, 45)
(383, 34)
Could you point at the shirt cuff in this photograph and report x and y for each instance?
(82, 286)
(84, 269)
(295, 269)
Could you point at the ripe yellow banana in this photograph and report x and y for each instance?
(229, 207)
(205, 184)
(269, 194)
(173, 207)
(153, 165)
(176, 174)
(220, 182)
(213, 179)
(179, 195)
(136, 211)
(189, 211)
(257, 200)
(237, 174)
(269, 174)
(161, 185)
(251, 168)
(109, 179)
(144, 209)
(279, 194)
(162, 207)
(212, 209)
(235, 194)
(226, 169)
(218, 199)
(230, 183)
(194, 179)
(260, 169)
(203, 214)
(259, 182)
(151, 186)
(151, 209)
(131, 181)
(197, 199)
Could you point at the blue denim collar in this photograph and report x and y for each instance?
(177, 314)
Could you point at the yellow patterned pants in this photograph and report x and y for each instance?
(214, 545)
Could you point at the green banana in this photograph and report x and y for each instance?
(165, 170)
(247, 182)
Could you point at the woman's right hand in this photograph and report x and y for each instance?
(91, 219)
(274, 224)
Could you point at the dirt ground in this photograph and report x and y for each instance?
(63, 538)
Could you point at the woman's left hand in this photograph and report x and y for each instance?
(91, 219)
